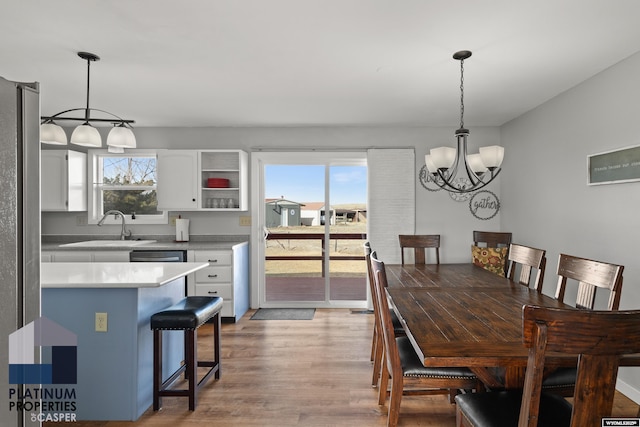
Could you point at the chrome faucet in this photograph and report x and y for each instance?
(123, 233)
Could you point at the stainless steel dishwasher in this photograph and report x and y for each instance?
(160, 255)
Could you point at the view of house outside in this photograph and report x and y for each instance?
(298, 208)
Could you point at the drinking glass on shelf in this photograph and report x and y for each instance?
(231, 203)
(223, 203)
(214, 203)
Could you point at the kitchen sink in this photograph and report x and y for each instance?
(107, 243)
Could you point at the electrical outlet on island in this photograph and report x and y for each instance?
(101, 322)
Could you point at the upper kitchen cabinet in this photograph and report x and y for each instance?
(63, 180)
(177, 181)
(210, 180)
(223, 180)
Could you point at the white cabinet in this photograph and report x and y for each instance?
(227, 276)
(183, 180)
(63, 180)
(230, 165)
(177, 185)
(83, 256)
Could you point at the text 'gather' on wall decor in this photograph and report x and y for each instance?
(484, 204)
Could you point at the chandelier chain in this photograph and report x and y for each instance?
(462, 94)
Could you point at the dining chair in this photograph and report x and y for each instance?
(590, 276)
(376, 342)
(492, 239)
(526, 258)
(490, 250)
(420, 243)
(598, 338)
(402, 365)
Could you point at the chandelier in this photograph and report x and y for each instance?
(446, 163)
(120, 137)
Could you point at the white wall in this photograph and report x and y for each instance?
(435, 212)
(546, 200)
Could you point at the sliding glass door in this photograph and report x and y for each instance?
(312, 208)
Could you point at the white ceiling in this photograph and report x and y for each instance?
(312, 62)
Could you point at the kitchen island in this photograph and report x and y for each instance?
(114, 367)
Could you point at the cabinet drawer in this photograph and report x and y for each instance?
(214, 275)
(213, 257)
(223, 291)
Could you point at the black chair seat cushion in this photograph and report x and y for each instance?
(502, 409)
(190, 313)
(397, 326)
(412, 365)
(561, 377)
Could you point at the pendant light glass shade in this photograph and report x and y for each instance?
(87, 136)
(492, 156)
(51, 133)
(476, 164)
(431, 167)
(115, 150)
(121, 136)
(443, 157)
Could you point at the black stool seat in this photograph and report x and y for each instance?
(190, 313)
(187, 315)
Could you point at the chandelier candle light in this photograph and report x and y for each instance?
(443, 162)
(119, 138)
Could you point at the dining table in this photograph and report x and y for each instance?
(465, 316)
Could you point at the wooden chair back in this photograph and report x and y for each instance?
(420, 243)
(491, 239)
(367, 256)
(392, 357)
(527, 258)
(600, 338)
(590, 276)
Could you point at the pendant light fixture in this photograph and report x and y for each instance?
(480, 169)
(120, 137)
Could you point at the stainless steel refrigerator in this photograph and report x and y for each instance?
(19, 224)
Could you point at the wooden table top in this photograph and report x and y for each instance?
(443, 276)
(466, 327)
(463, 315)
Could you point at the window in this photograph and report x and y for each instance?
(127, 183)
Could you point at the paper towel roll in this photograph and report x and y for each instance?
(182, 230)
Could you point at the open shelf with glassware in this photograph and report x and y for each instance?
(223, 180)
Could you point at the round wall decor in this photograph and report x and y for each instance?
(426, 179)
(484, 205)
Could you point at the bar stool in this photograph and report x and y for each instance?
(187, 315)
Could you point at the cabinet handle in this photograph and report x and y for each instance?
(212, 275)
(213, 260)
(213, 292)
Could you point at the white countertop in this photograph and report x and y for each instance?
(114, 274)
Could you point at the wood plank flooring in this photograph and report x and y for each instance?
(299, 372)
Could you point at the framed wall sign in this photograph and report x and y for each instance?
(613, 167)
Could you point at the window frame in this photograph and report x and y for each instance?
(94, 172)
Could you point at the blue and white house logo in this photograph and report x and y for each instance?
(44, 389)
(59, 349)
